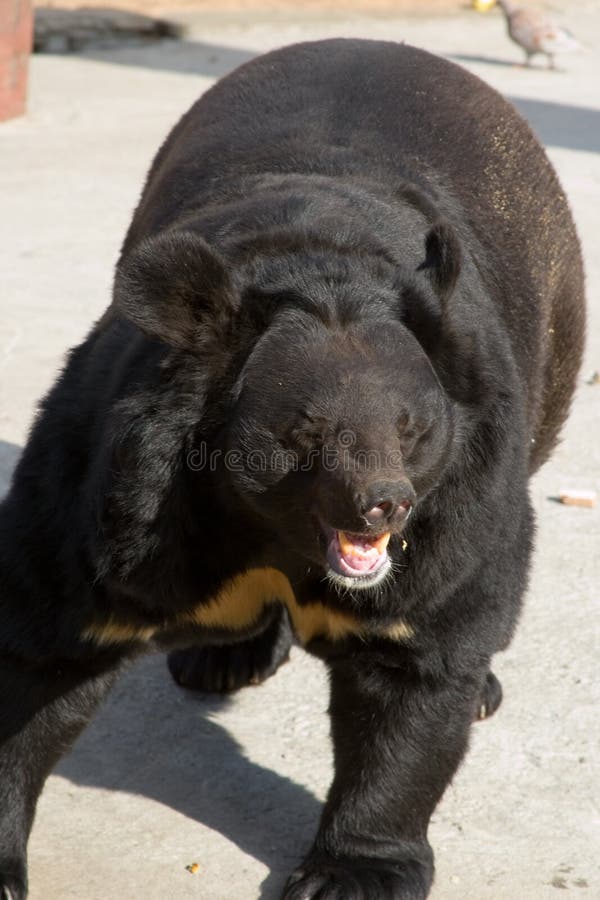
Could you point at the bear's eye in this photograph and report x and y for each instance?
(418, 437)
(403, 422)
(412, 433)
(407, 433)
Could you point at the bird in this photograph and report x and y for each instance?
(536, 32)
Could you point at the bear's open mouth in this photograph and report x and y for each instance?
(356, 555)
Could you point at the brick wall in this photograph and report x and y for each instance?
(16, 29)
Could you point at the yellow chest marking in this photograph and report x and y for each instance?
(240, 604)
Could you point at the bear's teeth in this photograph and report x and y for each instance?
(361, 545)
(382, 541)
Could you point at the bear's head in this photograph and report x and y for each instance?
(334, 420)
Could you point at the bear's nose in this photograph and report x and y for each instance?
(383, 502)
(379, 512)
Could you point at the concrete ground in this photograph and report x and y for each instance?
(162, 779)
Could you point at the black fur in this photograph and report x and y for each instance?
(356, 257)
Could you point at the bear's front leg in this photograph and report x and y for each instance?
(398, 738)
(42, 711)
(221, 668)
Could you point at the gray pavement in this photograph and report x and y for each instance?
(162, 779)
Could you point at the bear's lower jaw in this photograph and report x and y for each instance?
(361, 582)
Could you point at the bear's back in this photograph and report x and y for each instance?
(393, 113)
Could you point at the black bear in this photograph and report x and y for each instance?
(346, 325)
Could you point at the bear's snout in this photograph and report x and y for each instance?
(386, 502)
(370, 505)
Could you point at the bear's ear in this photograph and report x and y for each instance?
(177, 289)
(442, 259)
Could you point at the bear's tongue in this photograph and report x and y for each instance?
(357, 554)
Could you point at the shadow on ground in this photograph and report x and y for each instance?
(155, 740)
(562, 125)
(179, 56)
(485, 60)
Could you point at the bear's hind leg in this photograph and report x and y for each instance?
(227, 667)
